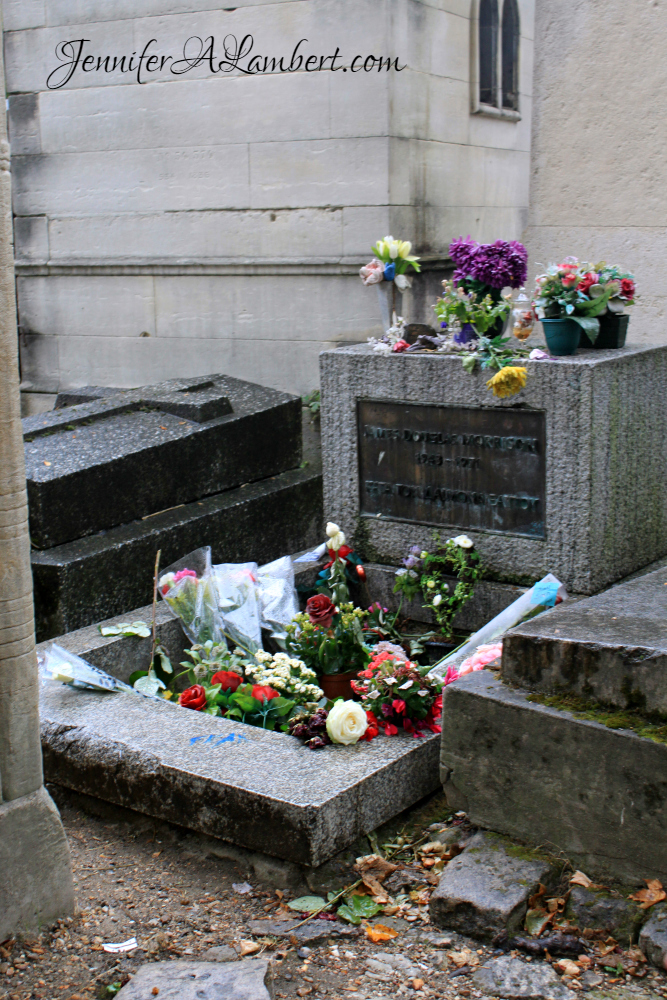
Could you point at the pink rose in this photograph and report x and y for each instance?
(569, 280)
(373, 273)
(482, 656)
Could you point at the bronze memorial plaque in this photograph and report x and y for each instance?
(453, 465)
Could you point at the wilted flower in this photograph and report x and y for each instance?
(508, 381)
(372, 273)
(336, 536)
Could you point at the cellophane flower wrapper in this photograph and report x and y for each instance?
(277, 597)
(189, 590)
(236, 584)
(543, 594)
(58, 664)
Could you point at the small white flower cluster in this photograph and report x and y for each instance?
(285, 674)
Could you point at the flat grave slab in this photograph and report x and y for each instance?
(259, 789)
(546, 778)
(611, 648)
(125, 455)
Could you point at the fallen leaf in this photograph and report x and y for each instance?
(248, 948)
(307, 904)
(580, 879)
(648, 897)
(373, 870)
(380, 932)
(536, 921)
(536, 900)
(567, 967)
(459, 958)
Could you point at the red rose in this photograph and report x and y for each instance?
(627, 288)
(194, 697)
(227, 678)
(320, 609)
(586, 282)
(569, 280)
(400, 346)
(342, 553)
(264, 693)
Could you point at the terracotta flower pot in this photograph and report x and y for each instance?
(337, 685)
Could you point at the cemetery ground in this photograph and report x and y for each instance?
(166, 887)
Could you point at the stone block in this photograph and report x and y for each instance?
(600, 910)
(93, 578)
(200, 981)
(516, 980)
(611, 648)
(86, 465)
(653, 938)
(262, 790)
(599, 795)
(36, 876)
(485, 890)
(602, 413)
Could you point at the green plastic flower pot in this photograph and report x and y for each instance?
(562, 336)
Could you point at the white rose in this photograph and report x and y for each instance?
(437, 600)
(346, 722)
(463, 541)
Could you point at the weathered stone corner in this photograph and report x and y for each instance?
(36, 885)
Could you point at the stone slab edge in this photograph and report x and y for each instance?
(540, 775)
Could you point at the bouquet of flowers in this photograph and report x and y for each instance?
(342, 569)
(426, 572)
(189, 589)
(581, 291)
(397, 695)
(391, 261)
(328, 639)
(253, 704)
(290, 676)
(345, 723)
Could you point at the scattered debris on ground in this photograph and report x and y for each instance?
(149, 883)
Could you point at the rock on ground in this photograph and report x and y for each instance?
(653, 939)
(199, 981)
(509, 977)
(621, 918)
(313, 931)
(485, 890)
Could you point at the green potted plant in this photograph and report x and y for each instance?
(571, 300)
(329, 639)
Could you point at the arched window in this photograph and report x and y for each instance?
(497, 43)
(488, 52)
(510, 55)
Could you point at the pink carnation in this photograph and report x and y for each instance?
(373, 273)
(182, 573)
(482, 656)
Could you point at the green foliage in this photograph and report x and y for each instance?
(358, 908)
(313, 402)
(330, 651)
(492, 352)
(307, 904)
(472, 302)
(267, 713)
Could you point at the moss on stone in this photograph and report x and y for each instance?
(650, 727)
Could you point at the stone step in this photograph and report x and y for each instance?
(106, 574)
(122, 456)
(611, 648)
(541, 775)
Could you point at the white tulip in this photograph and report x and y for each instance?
(463, 542)
(346, 722)
(402, 282)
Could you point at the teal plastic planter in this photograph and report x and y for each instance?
(562, 336)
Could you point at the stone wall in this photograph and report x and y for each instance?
(598, 162)
(216, 222)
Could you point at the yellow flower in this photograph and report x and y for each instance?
(507, 381)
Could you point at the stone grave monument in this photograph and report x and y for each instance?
(566, 477)
(115, 475)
